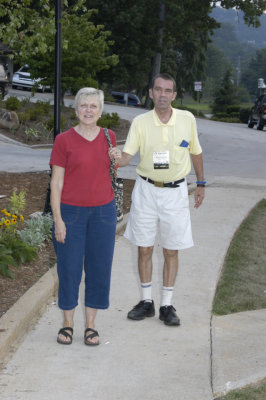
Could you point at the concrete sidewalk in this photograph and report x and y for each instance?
(146, 359)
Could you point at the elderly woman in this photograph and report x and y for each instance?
(84, 214)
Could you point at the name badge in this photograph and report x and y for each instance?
(161, 159)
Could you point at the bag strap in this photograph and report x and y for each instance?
(112, 160)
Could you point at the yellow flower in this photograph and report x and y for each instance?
(14, 216)
(1, 224)
(8, 214)
(13, 221)
(21, 218)
(3, 211)
(7, 222)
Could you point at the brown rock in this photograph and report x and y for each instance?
(8, 119)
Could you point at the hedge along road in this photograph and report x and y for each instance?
(229, 149)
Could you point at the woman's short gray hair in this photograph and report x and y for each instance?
(89, 91)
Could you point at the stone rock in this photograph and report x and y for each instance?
(8, 119)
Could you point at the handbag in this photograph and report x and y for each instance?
(117, 183)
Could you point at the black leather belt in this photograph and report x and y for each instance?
(163, 184)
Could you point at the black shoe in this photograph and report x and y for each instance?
(142, 310)
(168, 315)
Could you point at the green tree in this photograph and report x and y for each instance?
(217, 63)
(151, 33)
(255, 70)
(225, 94)
(252, 9)
(31, 33)
(132, 25)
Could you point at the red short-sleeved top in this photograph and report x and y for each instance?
(87, 179)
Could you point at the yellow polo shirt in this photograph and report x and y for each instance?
(178, 139)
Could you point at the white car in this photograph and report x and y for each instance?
(22, 79)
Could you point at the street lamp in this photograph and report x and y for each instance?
(57, 88)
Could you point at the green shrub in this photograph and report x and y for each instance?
(192, 110)
(21, 251)
(218, 116)
(108, 97)
(13, 104)
(17, 202)
(13, 252)
(233, 109)
(44, 106)
(34, 114)
(24, 102)
(50, 123)
(73, 115)
(38, 229)
(225, 119)
(244, 114)
(109, 121)
(234, 115)
(6, 259)
(23, 117)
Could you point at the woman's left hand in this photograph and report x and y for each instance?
(115, 153)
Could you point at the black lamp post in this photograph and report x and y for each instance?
(58, 64)
(57, 86)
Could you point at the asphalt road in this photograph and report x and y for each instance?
(229, 149)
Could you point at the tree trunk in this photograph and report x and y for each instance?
(156, 62)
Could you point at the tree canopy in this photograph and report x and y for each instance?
(178, 31)
(30, 31)
(225, 94)
(147, 35)
(255, 70)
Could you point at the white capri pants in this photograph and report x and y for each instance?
(165, 209)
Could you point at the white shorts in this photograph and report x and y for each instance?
(156, 209)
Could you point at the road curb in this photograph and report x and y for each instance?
(19, 319)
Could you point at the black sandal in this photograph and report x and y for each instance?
(63, 331)
(90, 336)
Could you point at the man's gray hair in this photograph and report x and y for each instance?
(89, 91)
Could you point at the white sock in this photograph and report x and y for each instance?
(146, 291)
(167, 294)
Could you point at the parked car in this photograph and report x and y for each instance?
(258, 113)
(3, 81)
(126, 98)
(22, 79)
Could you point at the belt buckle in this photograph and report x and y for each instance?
(158, 184)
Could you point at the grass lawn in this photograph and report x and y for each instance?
(242, 285)
(204, 105)
(252, 392)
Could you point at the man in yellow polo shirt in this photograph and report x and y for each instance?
(167, 139)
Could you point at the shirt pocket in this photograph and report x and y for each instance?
(180, 154)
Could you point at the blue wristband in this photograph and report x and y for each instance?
(201, 182)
